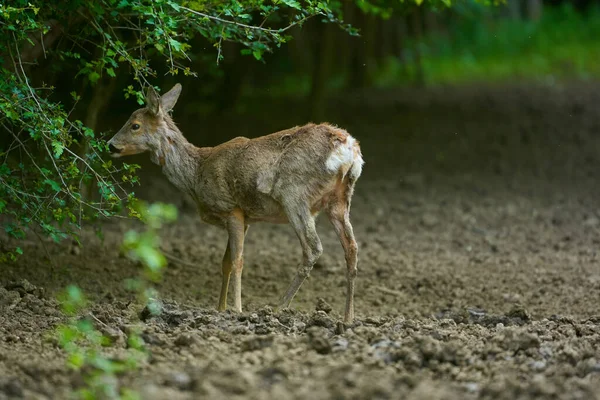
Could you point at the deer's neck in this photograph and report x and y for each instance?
(180, 160)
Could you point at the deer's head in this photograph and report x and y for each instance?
(148, 127)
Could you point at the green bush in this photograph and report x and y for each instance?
(563, 44)
(83, 340)
(48, 157)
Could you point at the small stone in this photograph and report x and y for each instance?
(320, 318)
(8, 298)
(519, 312)
(340, 344)
(322, 305)
(539, 365)
(519, 340)
(153, 309)
(339, 328)
(591, 221)
(51, 312)
(318, 340)
(262, 329)
(12, 388)
(240, 330)
(180, 380)
(373, 321)
(12, 338)
(321, 345)
(546, 351)
(265, 311)
(429, 220)
(588, 366)
(152, 339)
(257, 343)
(185, 340)
(273, 375)
(511, 297)
(299, 326)
(75, 248)
(22, 286)
(413, 180)
(113, 334)
(128, 329)
(472, 387)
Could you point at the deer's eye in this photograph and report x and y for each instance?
(135, 127)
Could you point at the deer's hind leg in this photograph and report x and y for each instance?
(233, 260)
(339, 215)
(303, 223)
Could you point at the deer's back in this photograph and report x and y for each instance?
(258, 175)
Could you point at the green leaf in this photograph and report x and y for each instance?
(175, 44)
(53, 184)
(93, 77)
(111, 72)
(77, 360)
(58, 148)
(72, 300)
(292, 3)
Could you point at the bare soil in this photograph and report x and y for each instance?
(478, 228)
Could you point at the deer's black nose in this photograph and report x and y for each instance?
(113, 149)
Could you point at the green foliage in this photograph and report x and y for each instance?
(564, 44)
(81, 339)
(85, 346)
(51, 156)
(144, 247)
(386, 8)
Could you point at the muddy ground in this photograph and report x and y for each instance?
(478, 227)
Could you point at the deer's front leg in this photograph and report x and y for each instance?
(226, 274)
(236, 229)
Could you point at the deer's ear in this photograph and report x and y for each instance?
(152, 101)
(168, 100)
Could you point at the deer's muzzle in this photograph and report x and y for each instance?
(113, 150)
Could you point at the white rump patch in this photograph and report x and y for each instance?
(356, 169)
(344, 158)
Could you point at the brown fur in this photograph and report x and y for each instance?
(282, 177)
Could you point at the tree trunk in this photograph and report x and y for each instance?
(416, 23)
(362, 61)
(430, 21)
(387, 43)
(101, 94)
(299, 50)
(534, 9)
(370, 44)
(357, 73)
(236, 68)
(514, 9)
(321, 67)
(399, 36)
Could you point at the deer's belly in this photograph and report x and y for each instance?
(265, 210)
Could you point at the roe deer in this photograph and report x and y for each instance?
(284, 177)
